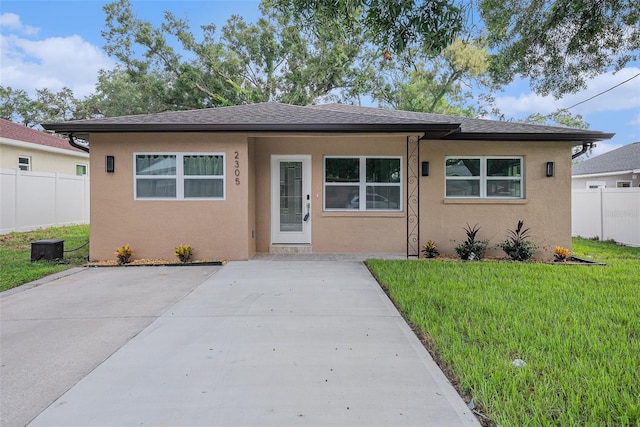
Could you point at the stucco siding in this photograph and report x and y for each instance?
(239, 226)
(333, 232)
(545, 208)
(216, 229)
(41, 160)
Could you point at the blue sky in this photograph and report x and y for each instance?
(52, 44)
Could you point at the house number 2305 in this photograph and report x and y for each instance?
(236, 166)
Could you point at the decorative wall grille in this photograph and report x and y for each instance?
(413, 191)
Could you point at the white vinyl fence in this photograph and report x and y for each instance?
(32, 200)
(608, 213)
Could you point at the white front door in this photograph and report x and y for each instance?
(291, 199)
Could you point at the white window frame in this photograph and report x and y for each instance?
(591, 185)
(179, 176)
(86, 169)
(27, 164)
(361, 184)
(483, 178)
(624, 181)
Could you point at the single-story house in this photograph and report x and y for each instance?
(271, 177)
(619, 168)
(28, 149)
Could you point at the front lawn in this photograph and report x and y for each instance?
(15, 254)
(577, 329)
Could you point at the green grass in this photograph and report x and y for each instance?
(577, 328)
(16, 267)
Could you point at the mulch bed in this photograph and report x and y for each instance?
(154, 263)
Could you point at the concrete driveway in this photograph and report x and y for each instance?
(258, 343)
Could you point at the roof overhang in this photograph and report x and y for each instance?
(83, 130)
(575, 138)
(601, 174)
(39, 147)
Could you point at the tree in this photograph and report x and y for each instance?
(391, 25)
(17, 106)
(271, 60)
(559, 44)
(560, 118)
(414, 82)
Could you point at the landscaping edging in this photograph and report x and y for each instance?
(159, 264)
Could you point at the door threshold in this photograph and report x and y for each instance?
(288, 248)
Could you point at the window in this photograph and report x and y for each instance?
(81, 169)
(348, 181)
(24, 163)
(596, 184)
(484, 177)
(623, 184)
(179, 176)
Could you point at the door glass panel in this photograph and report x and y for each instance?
(291, 196)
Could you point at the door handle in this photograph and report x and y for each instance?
(306, 217)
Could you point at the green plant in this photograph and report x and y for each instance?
(15, 254)
(430, 249)
(472, 249)
(561, 254)
(124, 254)
(578, 350)
(183, 252)
(516, 246)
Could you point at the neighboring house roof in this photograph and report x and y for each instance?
(335, 118)
(16, 134)
(625, 159)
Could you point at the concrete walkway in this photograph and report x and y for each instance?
(258, 343)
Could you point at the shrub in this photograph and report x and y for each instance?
(472, 249)
(516, 246)
(124, 254)
(430, 249)
(561, 254)
(183, 252)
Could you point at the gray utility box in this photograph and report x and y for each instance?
(47, 249)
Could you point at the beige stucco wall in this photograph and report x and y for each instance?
(42, 160)
(332, 232)
(238, 227)
(546, 208)
(216, 229)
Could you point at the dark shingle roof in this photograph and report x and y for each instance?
(625, 158)
(335, 118)
(22, 133)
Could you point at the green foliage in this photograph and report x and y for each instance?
(430, 249)
(472, 248)
(183, 252)
(390, 25)
(560, 118)
(47, 106)
(560, 44)
(15, 254)
(274, 59)
(576, 327)
(516, 246)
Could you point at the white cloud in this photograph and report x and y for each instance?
(51, 63)
(624, 97)
(12, 22)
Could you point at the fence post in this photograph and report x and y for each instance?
(601, 213)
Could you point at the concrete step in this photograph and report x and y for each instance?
(290, 249)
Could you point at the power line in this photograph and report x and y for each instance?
(596, 95)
